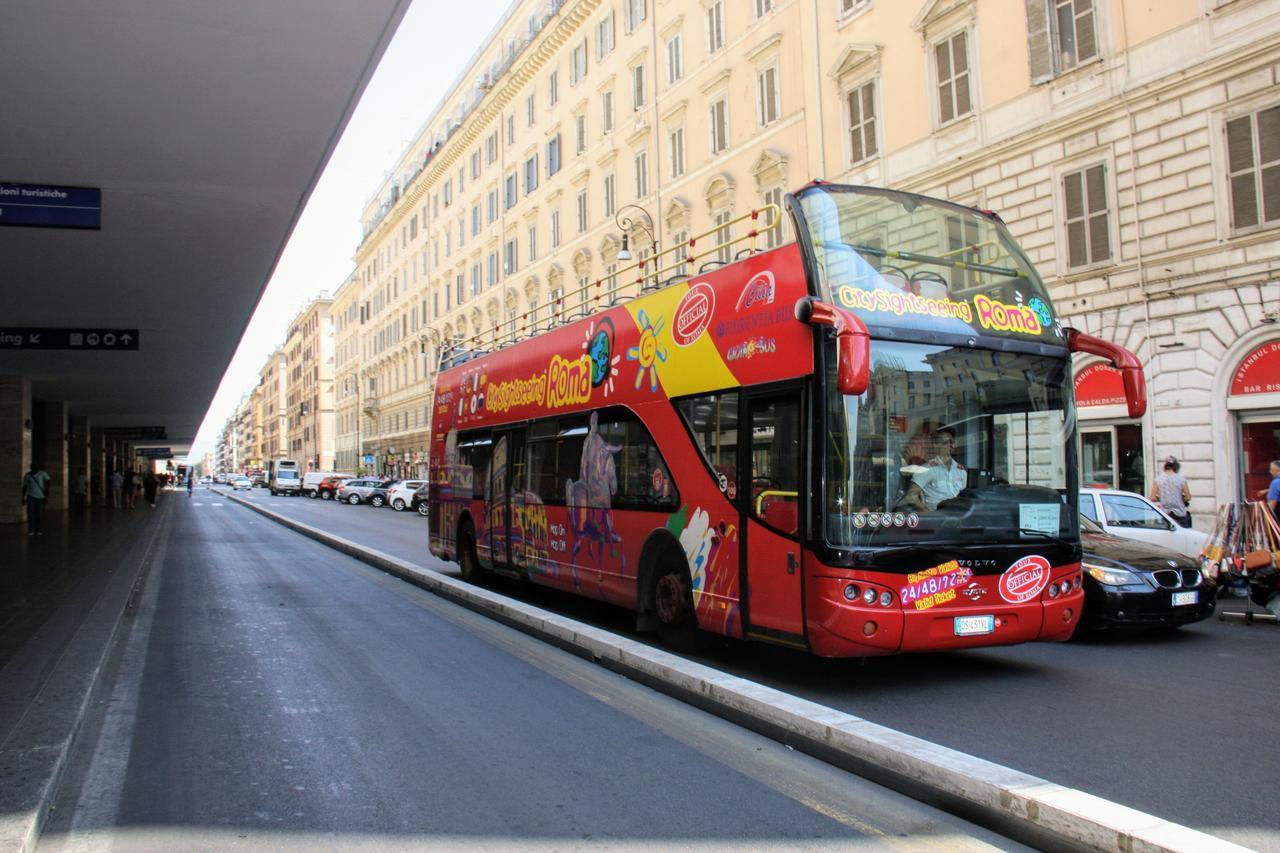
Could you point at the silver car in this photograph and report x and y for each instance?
(361, 490)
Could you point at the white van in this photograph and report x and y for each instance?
(312, 479)
(283, 477)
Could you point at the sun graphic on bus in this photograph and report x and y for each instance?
(647, 352)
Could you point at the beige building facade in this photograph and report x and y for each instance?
(309, 396)
(346, 377)
(1132, 147)
(273, 380)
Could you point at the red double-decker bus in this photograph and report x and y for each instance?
(858, 443)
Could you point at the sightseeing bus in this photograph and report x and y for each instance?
(858, 443)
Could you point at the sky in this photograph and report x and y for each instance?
(435, 40)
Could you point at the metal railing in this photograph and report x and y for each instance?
(666, 267)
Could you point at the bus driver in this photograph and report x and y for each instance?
(943, 477)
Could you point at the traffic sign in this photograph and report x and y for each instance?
(32, 338)
(47, 206)
(154, 452)
(137, 433)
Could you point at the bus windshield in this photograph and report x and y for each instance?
(951, 445)
(915, 267)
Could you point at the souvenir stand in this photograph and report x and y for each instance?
(1244, 548)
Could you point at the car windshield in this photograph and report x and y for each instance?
(951, 444)
(914, 267)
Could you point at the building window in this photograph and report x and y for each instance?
(531, 174)
(1253, 167)
(475, 220)
(773, 237)
(462, 232)
(610, 195)
(511, 130)
(767, 90)
(606, 112)
(582, 210)
(715, 26)
(553, 88)
(719, 125)
(637, 11)
(530, 109)
(1061, 34)
(642, 173)
(510, 256)
(724, 233)
(580, 133)
(448, 193)
(675, 59)
(763, 7)
(637, 87)
(475, 163)
(491, 148)
(493, 268)
(555, 229)
(860, 113)
(533, 243)
(555, 306)
(1085, 195)
(509, 192)
(553, 155)
(578, 63)
(951, 59)
(491, 206)
(848, 7)
(676, 138)
(604, 36)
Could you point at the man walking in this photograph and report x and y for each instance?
(35, 488)
(117, 485)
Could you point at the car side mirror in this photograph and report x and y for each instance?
(853, 343)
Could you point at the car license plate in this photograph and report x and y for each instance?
(1181, 598)
(967, 626)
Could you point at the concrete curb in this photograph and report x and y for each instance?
(1028, 808)
(34, 757)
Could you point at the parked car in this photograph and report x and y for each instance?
(1132, 516)
(328, 487)
(241, 483)
(1136, 585)
(400, 494)
(418, 503)
(311, 481)
(259, 480)
(364, 490)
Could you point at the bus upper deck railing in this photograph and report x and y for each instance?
(663, 268)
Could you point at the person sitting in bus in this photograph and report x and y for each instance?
(943, 477)
(911, 499)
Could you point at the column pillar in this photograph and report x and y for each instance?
(78, 451)
(54, 415)
(15, 445)
(98, 470)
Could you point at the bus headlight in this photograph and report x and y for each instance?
(869, 595)
(851, 592)
(886, 598)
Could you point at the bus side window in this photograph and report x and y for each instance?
(473, 457)
(713, 420)
(643, 478)
(775, 462)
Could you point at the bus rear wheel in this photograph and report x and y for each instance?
(677, 623)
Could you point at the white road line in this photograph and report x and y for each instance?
(216, 503)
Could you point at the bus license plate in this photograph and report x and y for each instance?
(1182, 598)
(967, 626)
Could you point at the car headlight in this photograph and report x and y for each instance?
(1111, 576)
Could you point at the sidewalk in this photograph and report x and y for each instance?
(62, 596)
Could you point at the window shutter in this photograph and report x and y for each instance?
(1244, 198)
(1038, 41)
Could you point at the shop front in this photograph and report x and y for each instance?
(1253, 403)
(1111, 448)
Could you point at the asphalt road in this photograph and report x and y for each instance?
(268, 693)
(1180, 724)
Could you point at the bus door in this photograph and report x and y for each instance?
(771, 479)
(506, 489)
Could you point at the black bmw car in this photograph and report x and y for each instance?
(1130, 584)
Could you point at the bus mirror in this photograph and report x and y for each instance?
(1135, 384)
(853, 343)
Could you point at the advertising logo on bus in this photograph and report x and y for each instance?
(759, 291)
(693, 314)
(1025, 579)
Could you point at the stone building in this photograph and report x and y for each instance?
(1132, 147)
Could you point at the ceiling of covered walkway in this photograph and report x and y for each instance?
(205, 125)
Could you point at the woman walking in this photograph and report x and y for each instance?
(1171, 492)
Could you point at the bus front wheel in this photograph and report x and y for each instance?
(677, 624)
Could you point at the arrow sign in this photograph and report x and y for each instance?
(33, 338)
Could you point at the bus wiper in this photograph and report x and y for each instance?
(1057, 540)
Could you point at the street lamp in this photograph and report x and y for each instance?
(626, 223)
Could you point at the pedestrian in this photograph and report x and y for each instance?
(35, 490)
(150, 483)
(117, 485)
(80, 490)
(1272, 494)
(130, 487)
(1171, 492)
(190, 485)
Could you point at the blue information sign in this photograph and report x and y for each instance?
(46, 206)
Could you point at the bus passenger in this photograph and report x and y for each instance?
(943, 477)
